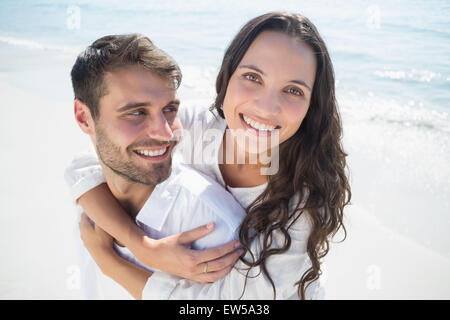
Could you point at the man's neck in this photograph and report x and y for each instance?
(131, 195)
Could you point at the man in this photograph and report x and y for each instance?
(125, 100)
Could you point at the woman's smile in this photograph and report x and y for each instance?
(257, 127)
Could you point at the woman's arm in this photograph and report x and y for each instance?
(130, 276)
(100, 247)
(171, 254)
(107, 213)
(285, 270)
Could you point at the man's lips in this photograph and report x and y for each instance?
(155, 153)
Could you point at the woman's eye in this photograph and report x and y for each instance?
(295, 91)
(251, 77)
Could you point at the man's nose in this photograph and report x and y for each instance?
(159, 129)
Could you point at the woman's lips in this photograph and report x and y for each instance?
(257, 128)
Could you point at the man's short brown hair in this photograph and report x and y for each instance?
(114, 51)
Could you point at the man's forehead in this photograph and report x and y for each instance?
(137, 77)
(137, 83)
(128, 85)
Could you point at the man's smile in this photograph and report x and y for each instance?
(154, 154)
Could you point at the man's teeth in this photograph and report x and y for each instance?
(257, 125)
(152, 153)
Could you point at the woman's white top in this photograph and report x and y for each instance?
(199, 148)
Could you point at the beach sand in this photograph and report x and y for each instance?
(377, 263)
(39, 137)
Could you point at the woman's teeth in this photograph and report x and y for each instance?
(258, 126)
(152, 153)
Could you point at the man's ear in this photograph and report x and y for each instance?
(83, 117)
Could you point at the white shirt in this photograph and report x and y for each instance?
(186, 200)
(286, 269)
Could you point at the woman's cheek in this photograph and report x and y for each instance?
(238, 93)
(294, 117)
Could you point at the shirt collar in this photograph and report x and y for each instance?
(156, 209)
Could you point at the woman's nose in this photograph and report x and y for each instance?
(269, 104)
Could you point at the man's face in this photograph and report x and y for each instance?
(138, 126)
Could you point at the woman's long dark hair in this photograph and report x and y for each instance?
(312, 162)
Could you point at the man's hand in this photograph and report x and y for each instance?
(174, 255)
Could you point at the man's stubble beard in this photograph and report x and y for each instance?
(120, 161)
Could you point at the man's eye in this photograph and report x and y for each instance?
(171, 109)
(295, 91)
(137, 113)
(251, 77)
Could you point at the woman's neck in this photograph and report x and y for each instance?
(234, 172)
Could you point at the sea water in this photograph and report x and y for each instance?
(391, 61)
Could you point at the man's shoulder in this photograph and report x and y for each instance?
(194, 117)
(194, 180)
(208, 192)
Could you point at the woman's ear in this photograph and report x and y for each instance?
(83, 117)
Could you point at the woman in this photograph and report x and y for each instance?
(276, 79)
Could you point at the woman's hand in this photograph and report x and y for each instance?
(171, 254)
(174, 255)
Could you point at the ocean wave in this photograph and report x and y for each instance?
(413, 74)
(30, 44)
(413, 114)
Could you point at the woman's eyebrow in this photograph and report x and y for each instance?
(250, 66)
(299, 82)
(302, 83)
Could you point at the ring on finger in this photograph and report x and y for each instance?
(205, 269)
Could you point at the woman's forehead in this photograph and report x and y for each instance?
(275, 52)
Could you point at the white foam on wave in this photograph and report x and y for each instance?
(30, 44)
(413, 74)
(412, 113)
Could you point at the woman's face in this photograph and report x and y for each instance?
(271, 88)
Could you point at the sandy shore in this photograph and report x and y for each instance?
(38, 253)
(376, 263)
